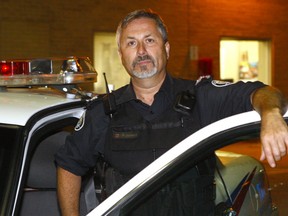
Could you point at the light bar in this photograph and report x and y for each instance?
(48, 71)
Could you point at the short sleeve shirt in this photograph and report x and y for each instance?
(214, 100)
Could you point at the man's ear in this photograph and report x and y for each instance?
(167, 48)
(119, 53)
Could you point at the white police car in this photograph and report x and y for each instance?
(40, 105)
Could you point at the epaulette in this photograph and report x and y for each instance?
(203, 79)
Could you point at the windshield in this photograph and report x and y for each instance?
(9, 149)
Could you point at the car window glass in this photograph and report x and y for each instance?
(237, 168)
(177, 195)
(277, 177)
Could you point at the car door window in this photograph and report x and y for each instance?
(239, 174)
(181, 194)
(277, 177)
(39, 192)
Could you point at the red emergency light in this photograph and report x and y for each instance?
(10, 68)
(46, 71)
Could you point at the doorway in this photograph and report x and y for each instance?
(106, 60)
(245, 60)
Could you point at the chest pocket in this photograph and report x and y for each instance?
(134, 143)
(147, 135)
(137, 133)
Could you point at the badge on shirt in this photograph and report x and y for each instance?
(125, 135)
(220, 83)
(80, 122)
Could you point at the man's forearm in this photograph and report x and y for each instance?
(271, 105)
(267, 99)
(68, 191)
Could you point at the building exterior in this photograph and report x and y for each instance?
(64, 28)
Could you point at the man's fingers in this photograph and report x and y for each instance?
(274, 138)
(262, 157)
(283, 149)
(268, 154)
(273, 150)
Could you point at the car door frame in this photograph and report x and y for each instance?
(155, 175)
(34, 127)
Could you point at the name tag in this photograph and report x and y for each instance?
(125, 135)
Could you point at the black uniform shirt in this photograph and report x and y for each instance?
(162, 99)
(214, 100)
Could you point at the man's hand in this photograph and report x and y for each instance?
(270, 103)
(274, 137)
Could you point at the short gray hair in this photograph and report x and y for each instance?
(145, 13)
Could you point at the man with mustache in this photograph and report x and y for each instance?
(143, 67)
(149, 118)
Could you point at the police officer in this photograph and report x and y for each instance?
(154, 107)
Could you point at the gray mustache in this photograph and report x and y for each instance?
(141, 58)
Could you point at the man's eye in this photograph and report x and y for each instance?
(131, 43)
(149, 40)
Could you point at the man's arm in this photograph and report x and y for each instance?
(271, 105)
(68, 191)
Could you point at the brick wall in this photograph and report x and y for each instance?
(59, 28)
(210, 20)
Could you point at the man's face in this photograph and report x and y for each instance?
(142, 49)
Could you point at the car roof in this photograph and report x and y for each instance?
(19, 104)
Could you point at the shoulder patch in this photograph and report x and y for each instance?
(80, 122)
(220, 83)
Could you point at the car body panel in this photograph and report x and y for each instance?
(24, 103)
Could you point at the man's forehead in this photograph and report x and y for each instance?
(140, 22)
(143, 25)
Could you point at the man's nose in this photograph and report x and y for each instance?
(141, 49)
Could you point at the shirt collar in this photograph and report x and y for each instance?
(126, 95)
(129, 94)
(167, 86)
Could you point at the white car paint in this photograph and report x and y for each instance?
(24, 103)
